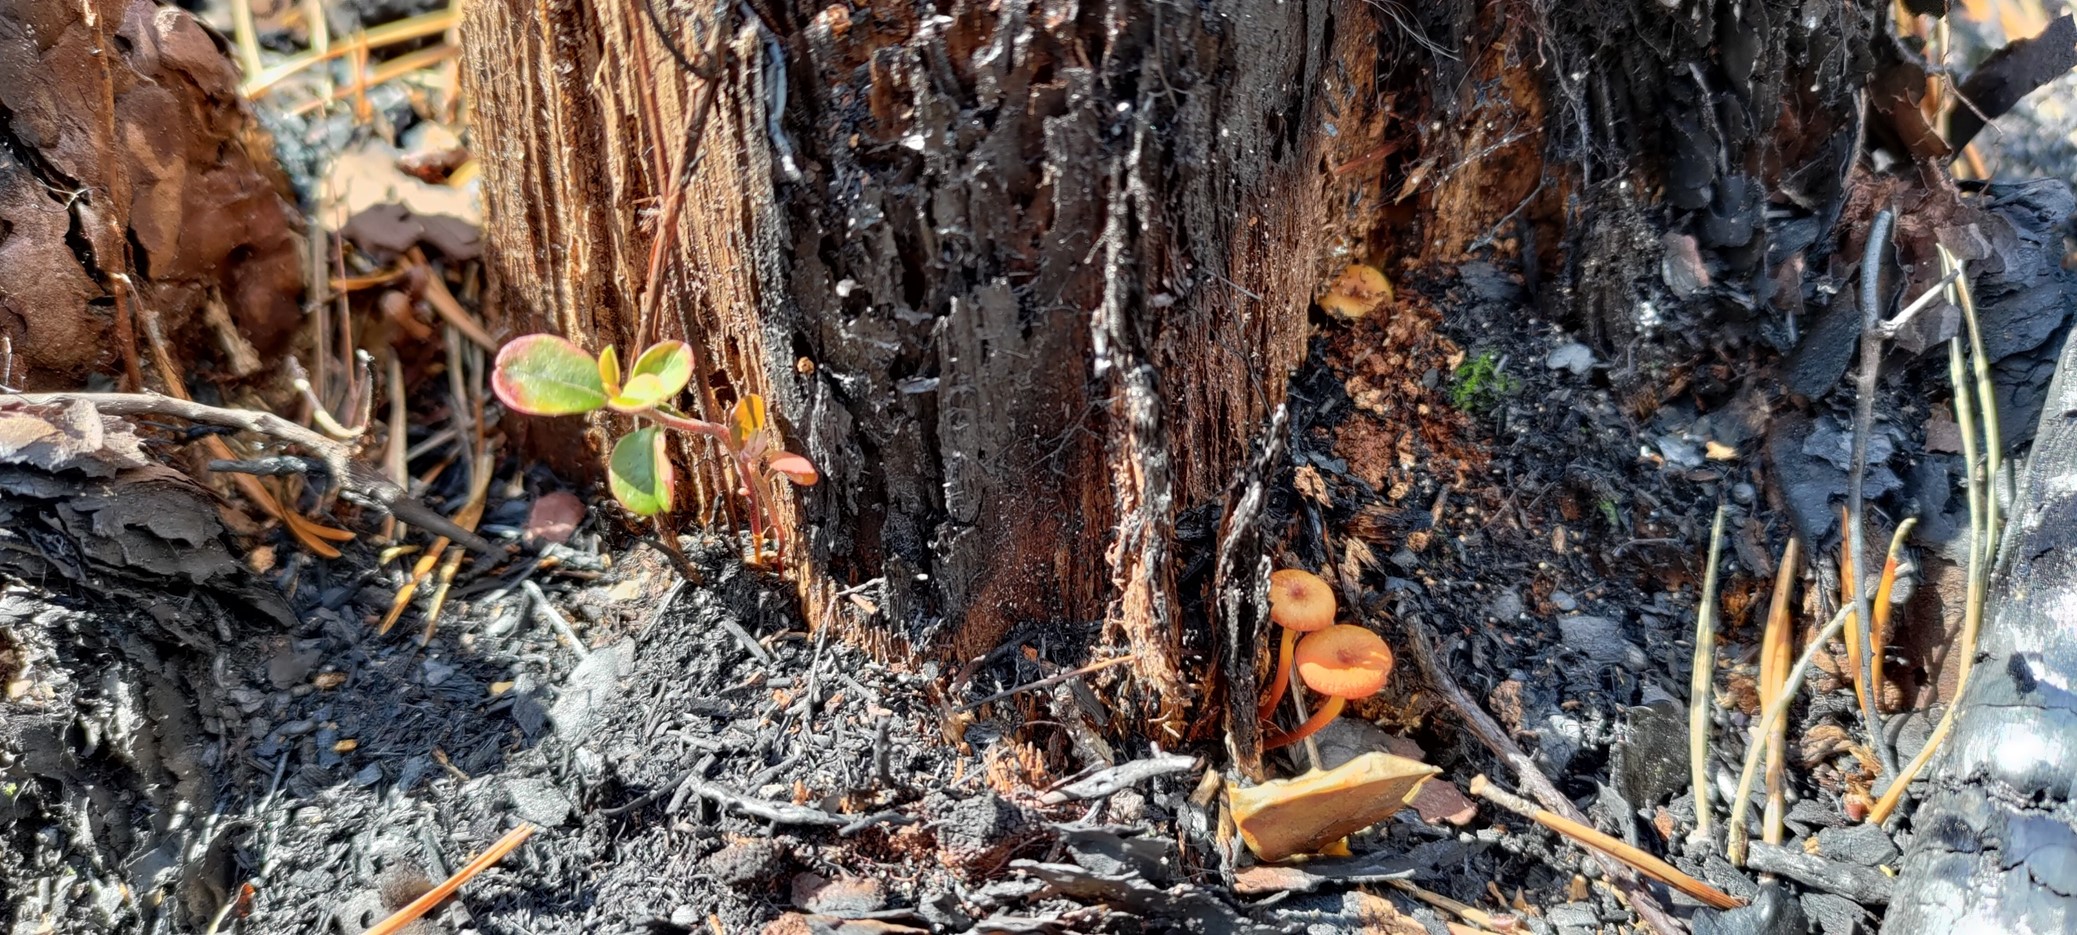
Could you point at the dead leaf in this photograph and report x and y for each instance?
(1286, 817)
(553, 518)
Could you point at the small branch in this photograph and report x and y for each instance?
(1582, 834)
(782, 813)
(555, 618)
(1050, 680)
(1121, 776)
(370, 486)
(1863, 425)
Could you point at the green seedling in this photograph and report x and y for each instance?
(1479, 384)
(545, 375)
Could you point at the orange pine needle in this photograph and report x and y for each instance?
(432, 897)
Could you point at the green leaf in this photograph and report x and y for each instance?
(640, 473)
(544, 375)
(659, 374)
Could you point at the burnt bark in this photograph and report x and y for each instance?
(1023, 279)
(1993, 844)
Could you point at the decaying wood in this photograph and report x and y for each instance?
(1993, 845)
(136, 191)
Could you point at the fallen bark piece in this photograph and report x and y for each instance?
(1286, 817)
(1865, 885)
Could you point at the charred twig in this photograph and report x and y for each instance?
(1050, 680)
(1581, 833)
(1860, 884)
(1527, 775)
(364, 483)
(1121, 776)
(888, 817)
(1703, 677)
(782, 813)
(1863, 425)
(555, 618)
(277, 466)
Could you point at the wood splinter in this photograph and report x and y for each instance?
(1581, 834)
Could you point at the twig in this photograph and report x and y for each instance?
(351, 475)
(1735, 849)
(1703, 677)
(555, 618)
(1122, 776)
(1987, 405)
(1582, 834)
(783, 813)
(1053, 679)
(1860, 884)
(1863, 425)
(1489, 733)
(432, 897)
(1469, 913)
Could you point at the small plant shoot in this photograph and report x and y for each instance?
(545, 375)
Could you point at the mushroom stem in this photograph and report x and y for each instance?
(1283, 675)
(1328, 711)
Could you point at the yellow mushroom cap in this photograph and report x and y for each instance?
(1300, 600)
(1344, 661)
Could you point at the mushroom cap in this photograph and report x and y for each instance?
(1300, 600)
(1344, 661)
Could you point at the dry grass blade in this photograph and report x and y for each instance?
(1879, 629)
(1703, 677)
(387, 34)
(419, 907)
(1769, 718)
(1777, 650)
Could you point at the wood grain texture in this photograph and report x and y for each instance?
(1032, 293)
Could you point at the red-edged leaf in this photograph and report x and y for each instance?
(640, 473)
(544, 375)
(797, 468)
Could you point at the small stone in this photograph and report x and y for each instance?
(851, 896)
(1564, 601)
(745, 862)
(539, 801)
(1863, 844)
(1598, 638)
(1574, 356)
(1505, 606)
(433, 673)
(1743, 493)
(368, 776)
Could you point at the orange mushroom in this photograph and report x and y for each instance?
(1341, 662)
(1300, 602)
